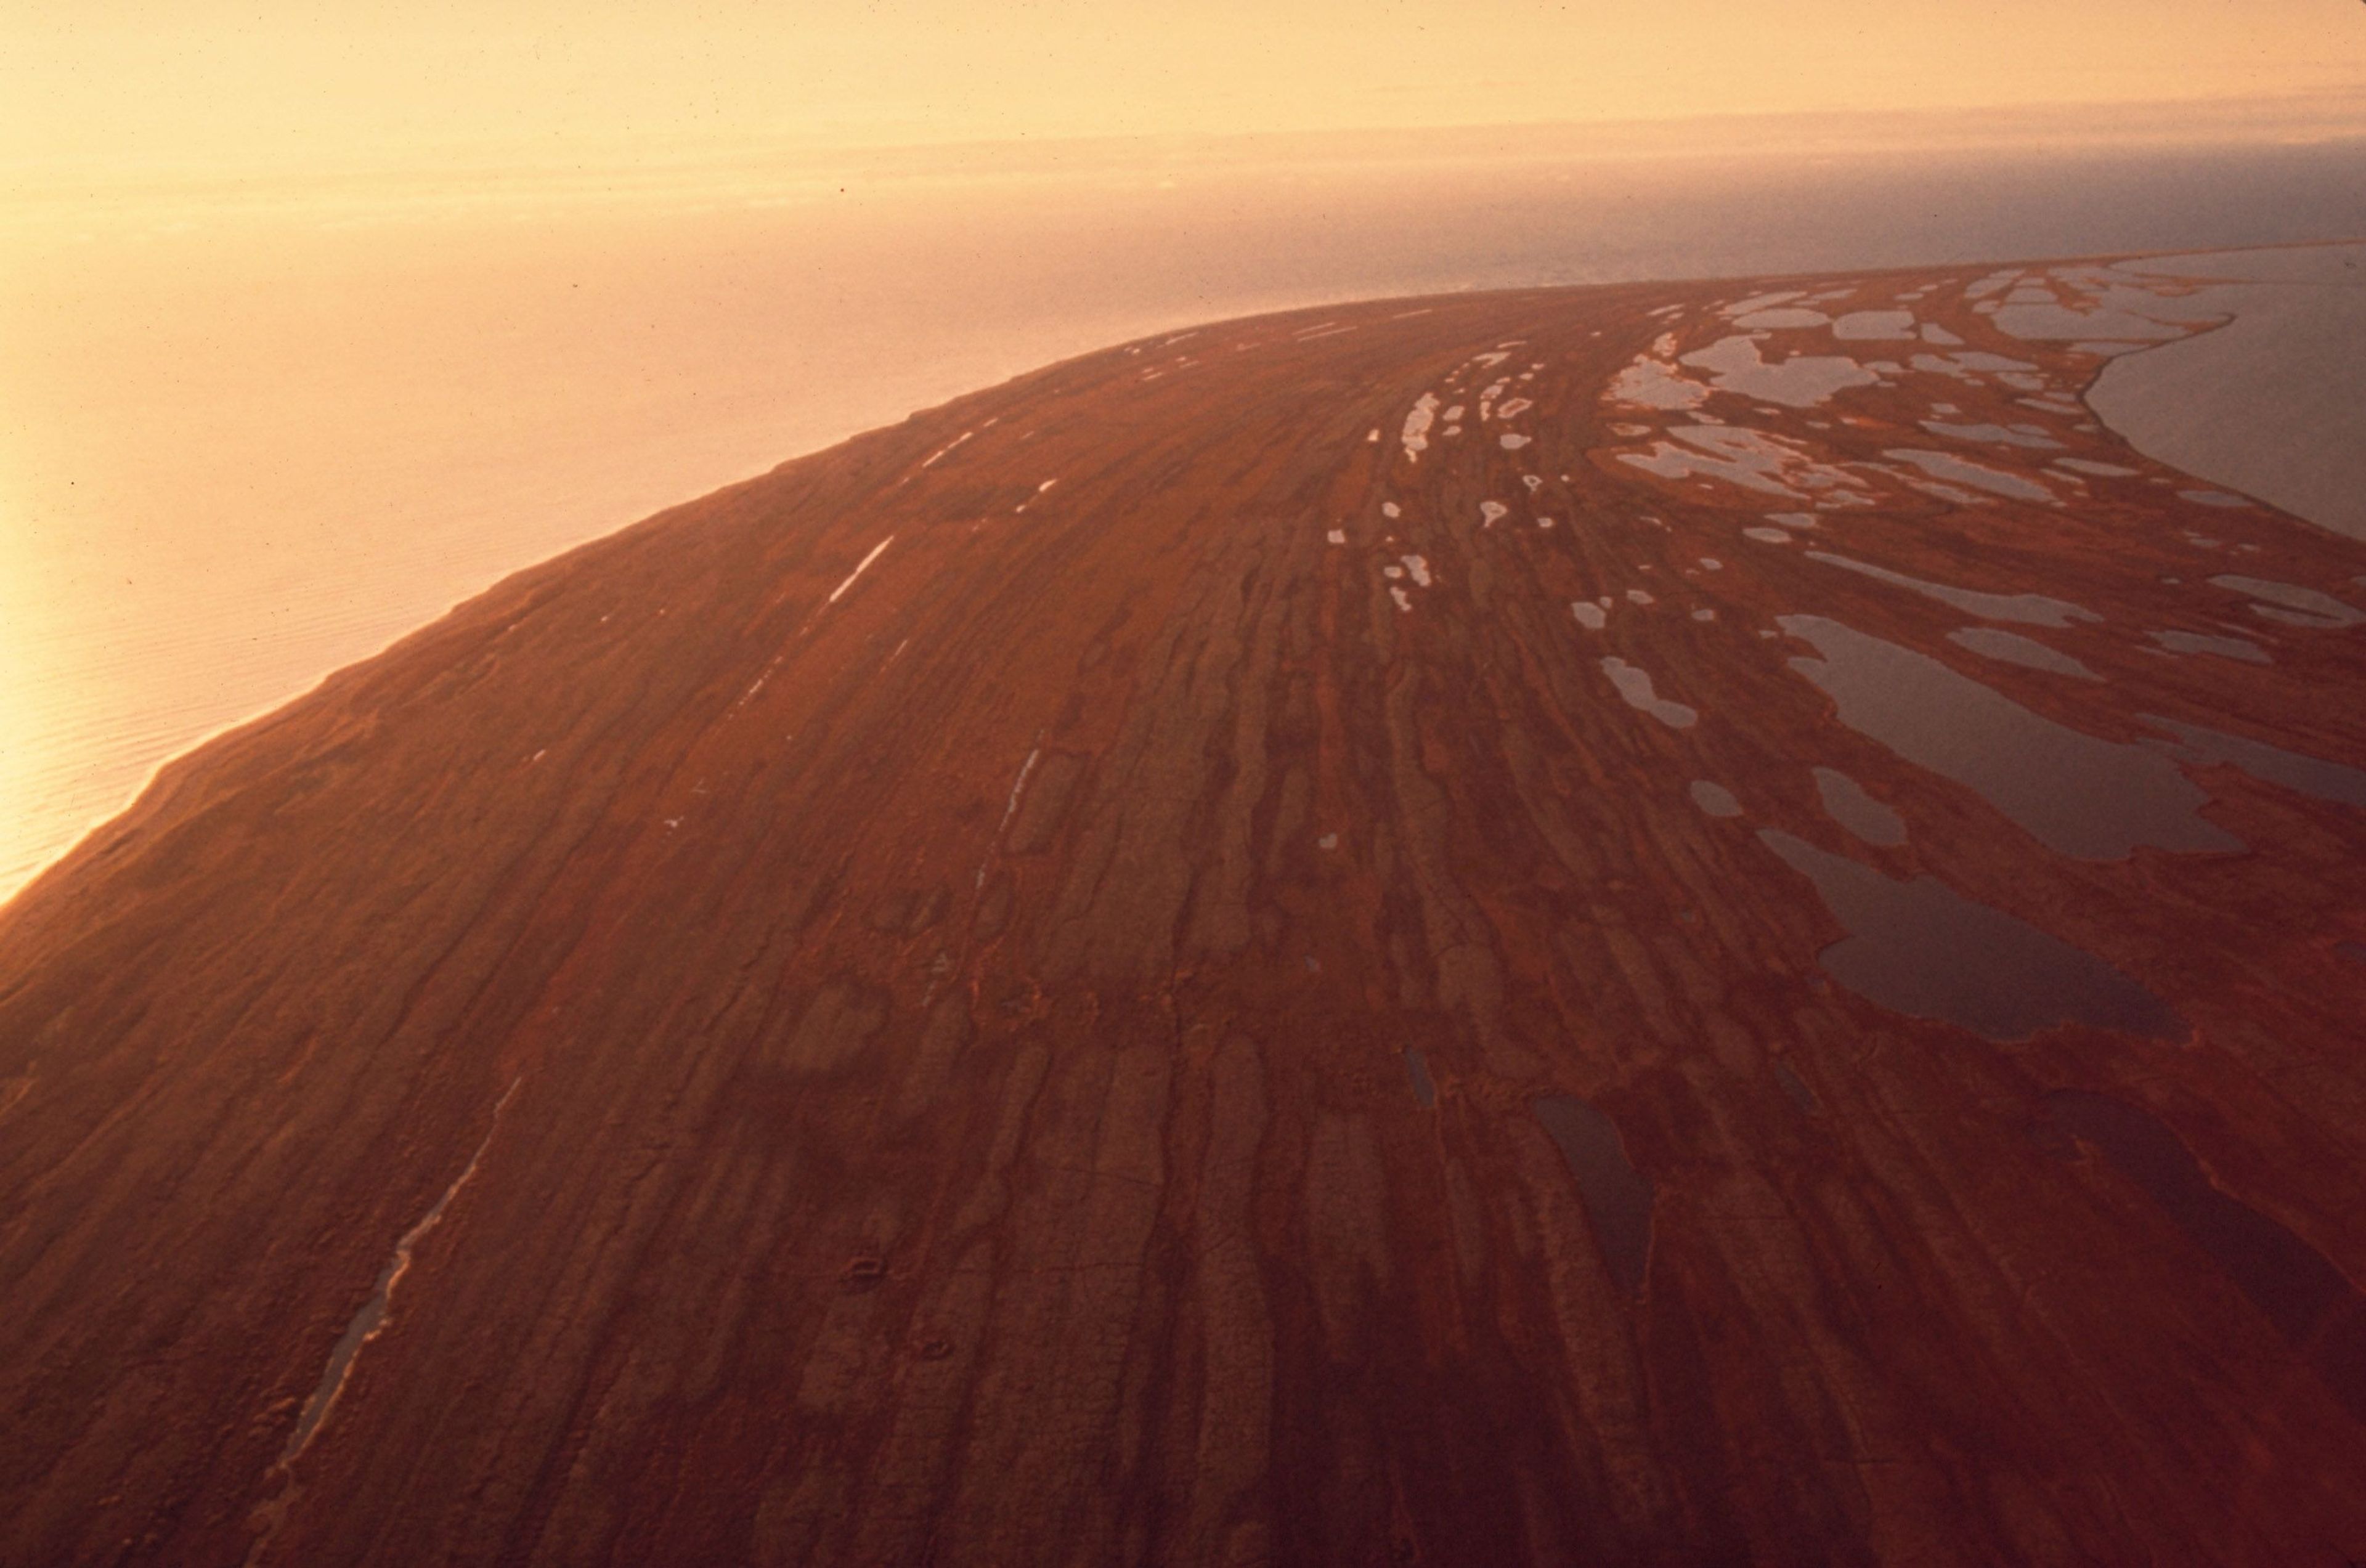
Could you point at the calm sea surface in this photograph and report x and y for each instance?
(238, 452)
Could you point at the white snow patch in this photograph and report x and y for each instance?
(933, 457)
(864, 565)
(1416, 425)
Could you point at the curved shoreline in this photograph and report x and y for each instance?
(2272, 404)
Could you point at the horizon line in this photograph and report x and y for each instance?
(604, 171)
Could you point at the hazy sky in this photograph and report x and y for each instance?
(263, 86)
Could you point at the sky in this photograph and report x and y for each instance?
(109, 89)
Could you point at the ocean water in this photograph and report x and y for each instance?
(241, 446)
